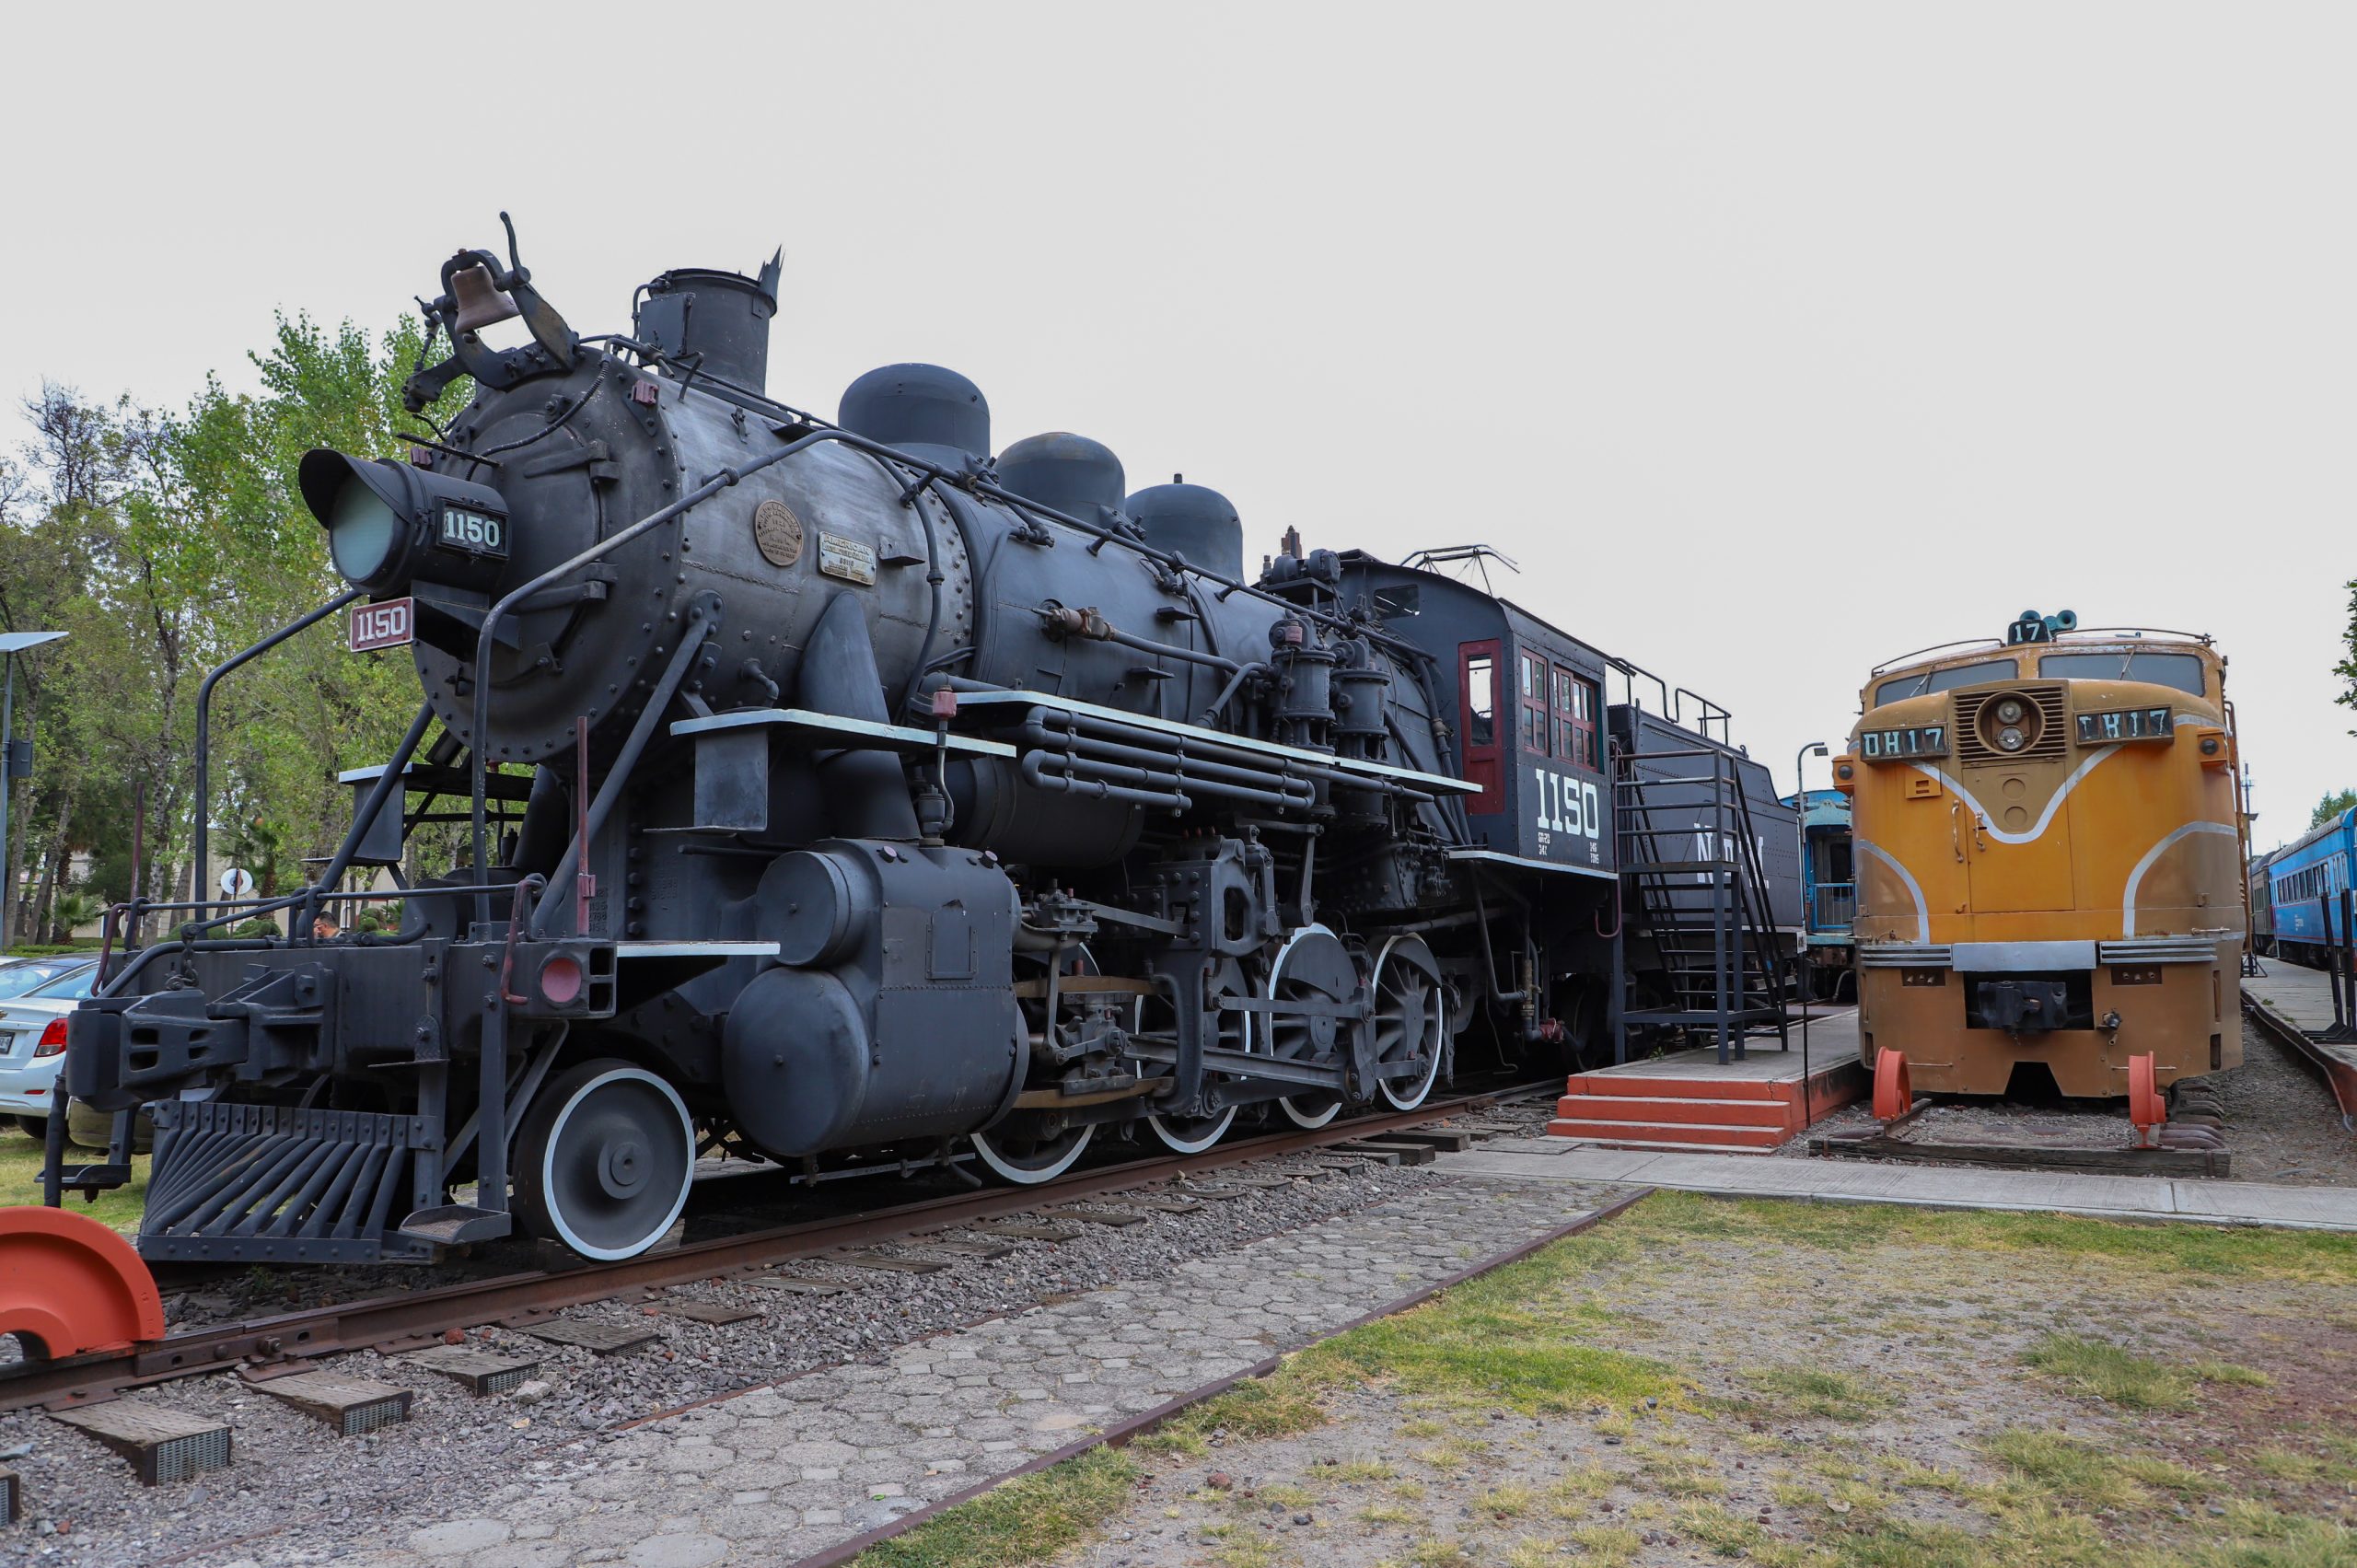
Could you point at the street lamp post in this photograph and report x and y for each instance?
(1808, 912)
(11, 645)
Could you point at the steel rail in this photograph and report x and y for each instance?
(360, 1325)
(2339, 1078)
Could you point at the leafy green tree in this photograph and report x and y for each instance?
(2347, 668)
(164, 543)
(2332, 806)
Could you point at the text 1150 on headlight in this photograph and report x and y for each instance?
(474, 533)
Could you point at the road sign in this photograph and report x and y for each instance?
(390, 625)
(236, 882)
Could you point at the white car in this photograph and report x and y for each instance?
(32, 1039)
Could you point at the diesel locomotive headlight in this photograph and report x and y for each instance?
(2010, 712)
(2009, 739)
(388, 523)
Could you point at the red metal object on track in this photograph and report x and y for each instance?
(2146, 1109)
(1894, 1094)
(72, 1284)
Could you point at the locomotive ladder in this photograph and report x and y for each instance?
(1690, 854)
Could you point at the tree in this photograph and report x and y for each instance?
(2347, 668)
(2332, 806)
(164, 543)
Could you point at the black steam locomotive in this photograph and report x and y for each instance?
(842, 794)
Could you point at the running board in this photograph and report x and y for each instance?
(455, 1225)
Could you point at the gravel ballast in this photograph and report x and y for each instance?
(300, 1494)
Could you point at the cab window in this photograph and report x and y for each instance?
(1923, 682)
(1575, 704)
(2180, 671)
(1533, 731)
(1480, 701)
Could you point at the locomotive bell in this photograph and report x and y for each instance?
(480, 305)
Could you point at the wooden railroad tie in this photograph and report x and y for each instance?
(1391, 1153)
(1153, 1204)
(887, 1262)
(2034, 1156)
(1447, 1141)
(1030, 1230)
(597, 1338)
(961, 1248)
(162, 1444)
(354, 1406)
(479, 1371)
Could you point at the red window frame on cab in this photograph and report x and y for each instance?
(1480, 741)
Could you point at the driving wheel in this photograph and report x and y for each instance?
(1228, 1031)
(604, 1159)
(1411, 1018)
(1313, 967)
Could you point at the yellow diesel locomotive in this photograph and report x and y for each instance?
(2048, 844)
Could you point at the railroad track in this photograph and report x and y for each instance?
(408, 1320)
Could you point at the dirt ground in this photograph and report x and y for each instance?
(1781, 1384)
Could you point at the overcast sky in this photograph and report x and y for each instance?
(1773, 341)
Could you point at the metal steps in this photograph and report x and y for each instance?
(1690, 858)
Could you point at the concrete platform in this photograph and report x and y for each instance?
(2298, 1004)
(1523, 1160)
(1688, 1099)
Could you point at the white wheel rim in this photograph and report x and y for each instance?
(1399, 1101)
(1178, 1145)
(1030, 1175)
(1311, 1121)
(565, 1232)
(1294, 1114)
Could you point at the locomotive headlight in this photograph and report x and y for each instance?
(2009, 738)
(388, 523)
(2010, 710)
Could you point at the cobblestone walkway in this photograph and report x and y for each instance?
(771, 1476)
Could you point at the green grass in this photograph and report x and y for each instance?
(2213, 1371)
(2112, 1372)
(2157, 1251)
(2064, 1468)
(1277, 1406)
(1025, 1521)
(1605, 1546)
(1818, 1393)
(2265, 1538)
(21, 1157)
(1535, 1337)
(1519, 1336)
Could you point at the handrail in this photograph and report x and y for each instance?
(2080, 636)
(204, 722)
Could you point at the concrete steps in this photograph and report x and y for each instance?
(1696, 1107)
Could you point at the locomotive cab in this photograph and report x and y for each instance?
(2048, 857)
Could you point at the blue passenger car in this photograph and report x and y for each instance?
(1829, 890)
(2306, 878)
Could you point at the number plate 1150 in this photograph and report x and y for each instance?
(473, 533)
